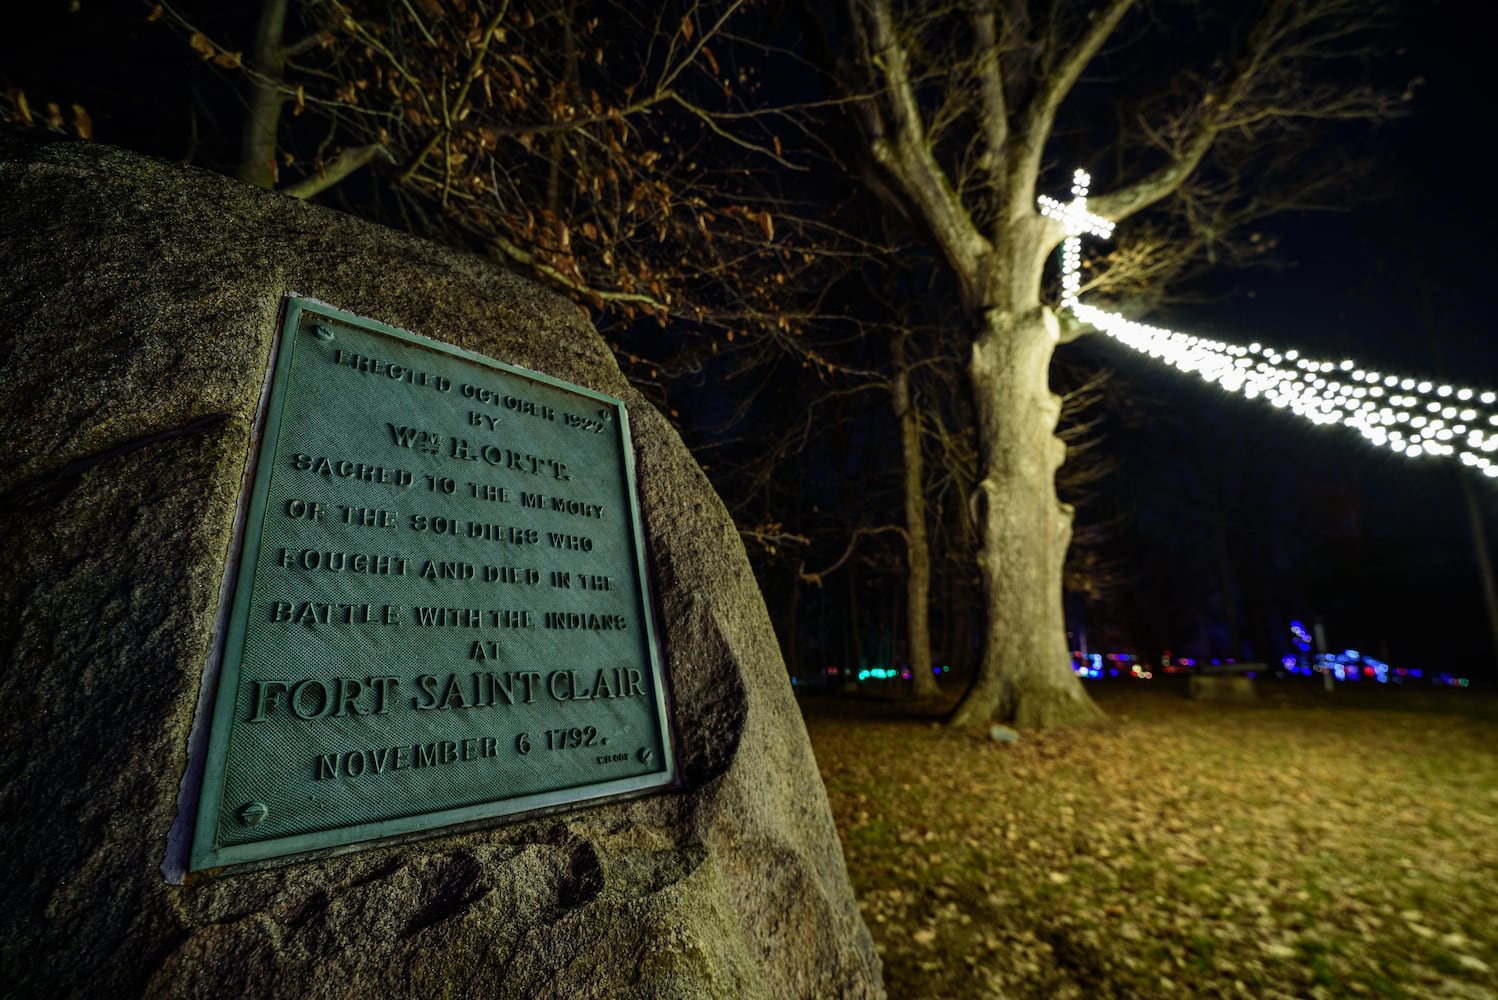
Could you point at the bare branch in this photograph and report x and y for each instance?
(539, 266)
(898, 143)
(994, 119)
(343, 164)
(1040, 116)
(1265, 87)
(475, 64)
(816, 578)
(670, 76)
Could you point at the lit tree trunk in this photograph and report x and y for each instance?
(959, 143)
(1025, 676)
(917, 547)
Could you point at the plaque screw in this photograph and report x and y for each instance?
(323, 333)
(646, 755)
(253, 813)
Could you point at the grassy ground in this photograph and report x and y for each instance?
(1299, 846)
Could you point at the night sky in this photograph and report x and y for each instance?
(1377, 546)
(1309, 522)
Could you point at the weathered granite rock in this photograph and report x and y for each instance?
(138, 302)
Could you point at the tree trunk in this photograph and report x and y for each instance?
(257, 164)
(1025, 677)
(917, 547)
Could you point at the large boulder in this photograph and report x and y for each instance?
(139, 303)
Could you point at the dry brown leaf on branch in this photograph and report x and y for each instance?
(767, 224)
(82, 123)
(201, 44)
(21, 109)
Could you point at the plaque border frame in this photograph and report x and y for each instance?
(204, 854)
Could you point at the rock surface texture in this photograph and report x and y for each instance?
(138, 302)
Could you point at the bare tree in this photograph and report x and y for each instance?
(917, 545)
(612, 151)
(607, 150)
(626, 156)
(964, 112)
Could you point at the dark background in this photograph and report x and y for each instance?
(1229, 518)
(1311, 522)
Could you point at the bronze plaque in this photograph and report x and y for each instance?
(440, 612)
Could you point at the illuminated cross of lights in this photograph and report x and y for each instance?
(1075, 220)
(1410, 416)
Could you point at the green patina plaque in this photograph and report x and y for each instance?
(440, 611)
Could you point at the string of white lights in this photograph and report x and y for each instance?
(1411, 416)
